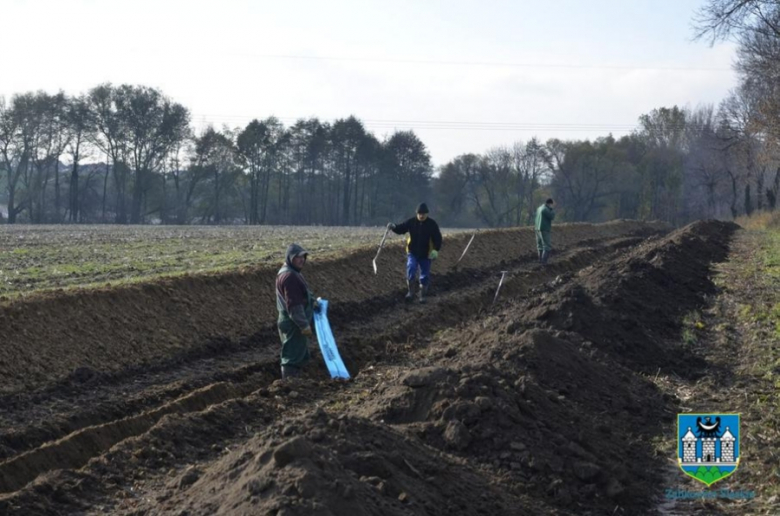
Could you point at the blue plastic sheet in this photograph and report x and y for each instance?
(327, 343)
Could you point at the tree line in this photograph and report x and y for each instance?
(129, 155)
(678, 165)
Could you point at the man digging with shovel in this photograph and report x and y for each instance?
(422, 247)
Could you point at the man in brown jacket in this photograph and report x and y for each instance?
(296, 306)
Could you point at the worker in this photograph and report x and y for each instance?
(296, 305)
(543, 226)
(422, 247)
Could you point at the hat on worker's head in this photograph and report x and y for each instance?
(422, 208)
(294, 251)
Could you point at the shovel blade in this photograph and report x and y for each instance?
(374, 263)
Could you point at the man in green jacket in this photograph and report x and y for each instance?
(543, 226)
(296, 306)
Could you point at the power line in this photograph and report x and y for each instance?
(402, 121)
(446, 124)
(498, 64)
(442, 62)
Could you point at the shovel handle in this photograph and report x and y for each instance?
(466, 249)
(501, 282)
(384, 237)
(381, 245)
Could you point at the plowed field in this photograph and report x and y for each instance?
(163, 396)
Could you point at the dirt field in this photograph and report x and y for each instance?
(34, 258)
(560, 398)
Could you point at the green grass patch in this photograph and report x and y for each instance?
(754, 280)
(769, 251)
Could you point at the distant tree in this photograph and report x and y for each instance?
(452, 188)
(584, 175)
(216, 159)
(273, 153)
(741, 139)
(253, 143)
(369, 159)
(44, 119)
(531, 162)
(155, 124)
(347, 135)
(407, 170)
(661, 168)
(309, 147)
(17, 134)
(493, 188)
(111, 135)
(754, 107)
(79, 125)
(703, 168)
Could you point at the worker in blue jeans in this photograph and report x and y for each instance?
(422, 247)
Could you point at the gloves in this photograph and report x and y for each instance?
(390, 225)
(307, 331)
(433, 255)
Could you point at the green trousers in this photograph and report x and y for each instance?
(295, 345)
(543, 242)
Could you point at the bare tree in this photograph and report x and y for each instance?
(532, 168)
(155, 124)
(79, 126)
(110, 136)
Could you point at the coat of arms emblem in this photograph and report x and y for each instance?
(708, 445)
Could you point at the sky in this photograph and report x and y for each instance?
(465, 75)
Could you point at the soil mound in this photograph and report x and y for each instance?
(561, 411)
(538, 410)
(633, 307)
(326, 465)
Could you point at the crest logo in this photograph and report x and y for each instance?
(708, 445)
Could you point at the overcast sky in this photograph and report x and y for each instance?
(465, 75)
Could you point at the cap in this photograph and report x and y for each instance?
(295, 250)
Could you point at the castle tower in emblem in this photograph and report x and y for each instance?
(708, 449)
(727, 446)
(689, 446)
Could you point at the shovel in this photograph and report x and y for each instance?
(464, 251)
(501, 282)
(381, 245)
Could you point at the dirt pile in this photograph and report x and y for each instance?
(539, 410)
(174, 439)
(561, 411)
(633, 307)
(326, 464)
